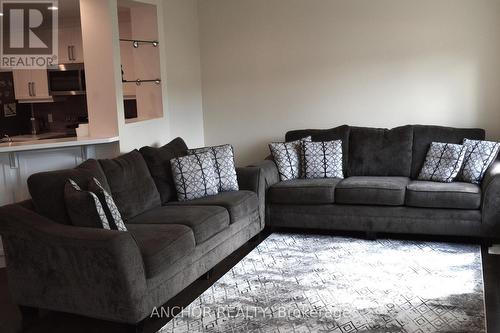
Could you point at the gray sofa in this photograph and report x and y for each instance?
(122, 276)
(380, 192)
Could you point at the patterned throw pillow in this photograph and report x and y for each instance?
(108, 204)
(443, 162)
(288, 158)
(84, 207)
(323, 159)
(194, 176)
(225, 171)
(479, 156)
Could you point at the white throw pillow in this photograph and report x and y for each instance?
(288, 158)
(194, 176)
(443, 162)
(225, 171)
(323, 159)
(108, 204)
(479, 156)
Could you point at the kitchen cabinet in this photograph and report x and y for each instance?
(70, 40)
(31, 84)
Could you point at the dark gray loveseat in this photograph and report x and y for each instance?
(380, 192)
(122, 276)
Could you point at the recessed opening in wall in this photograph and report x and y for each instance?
(140, 60)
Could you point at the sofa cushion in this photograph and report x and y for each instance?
(158, 161)
(161, 245)
(380, 151)
(323, 159)
(317, 135)
(239, 204)
(424, 135)
(47, 188)
(443, 195)
(443, 162)
(131, 184)
(205, 221)
(304, 191)
(386, 191)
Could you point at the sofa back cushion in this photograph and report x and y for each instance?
(424, 135)
(131, 184)
(47, 188)
(158, 161)
(318, 135)
(380, 151)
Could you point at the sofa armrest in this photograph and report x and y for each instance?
(270, 169)
(271, 177)
(93, 272)
(490, 209)
(252, 179)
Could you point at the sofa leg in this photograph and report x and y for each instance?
(136, 328)
(370, 235)
(208, 275)
(28, 314)
(255, 239)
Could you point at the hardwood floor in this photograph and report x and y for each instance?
(54, 322)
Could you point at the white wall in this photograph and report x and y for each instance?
(183, 70)
(269, 66)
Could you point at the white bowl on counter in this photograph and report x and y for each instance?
(82, 130)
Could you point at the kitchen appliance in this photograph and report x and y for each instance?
(67, 79)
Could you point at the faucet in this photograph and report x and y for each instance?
(6, 138)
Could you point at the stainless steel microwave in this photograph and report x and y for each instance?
(67, 79)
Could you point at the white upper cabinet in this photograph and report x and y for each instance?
(31, 85)
(22, 84)
(70, 35)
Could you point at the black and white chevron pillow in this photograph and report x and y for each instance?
(194, 176)
(323, 159)
(479, 156)
(225, 170)
(443, 162)
(108, 204)
(288, 158)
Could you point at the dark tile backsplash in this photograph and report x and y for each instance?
(66, 111)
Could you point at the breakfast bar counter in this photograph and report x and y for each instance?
(29, 154)
(37, 142)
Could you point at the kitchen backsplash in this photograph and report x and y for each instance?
(62, 115)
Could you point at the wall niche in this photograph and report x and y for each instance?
(140, 60)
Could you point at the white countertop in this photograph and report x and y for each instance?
(39, 142)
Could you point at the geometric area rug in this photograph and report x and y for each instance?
(321, 283)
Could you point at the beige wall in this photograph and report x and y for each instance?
(180, 72)
(269, 66)
(183, 70)
(181, 81)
